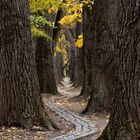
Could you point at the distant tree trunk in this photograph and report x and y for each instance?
(78, 71)
(58, 65)
(58, 60)
(20, 100)
(45, 64)
(101, 38)
(124, 122)
(72, 62)
(75, 56)
(71, 53)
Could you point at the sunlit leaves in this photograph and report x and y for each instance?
(39, 9)
(44, 5)
(79, 42)
(71, 8)
(38, 32)
(58, 49)
(73, 14)
(61, 48)
(40, 21)
(88, 2)
(38, 5)
(68, 20)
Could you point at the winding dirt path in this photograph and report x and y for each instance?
(83, 127)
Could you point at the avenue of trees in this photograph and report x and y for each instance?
(94, 42)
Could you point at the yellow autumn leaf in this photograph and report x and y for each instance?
(79, 41)
(58, 49)
(67, 20)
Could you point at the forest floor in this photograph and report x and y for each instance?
(76, 105)
(67, 128)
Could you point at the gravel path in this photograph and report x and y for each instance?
(83, 127)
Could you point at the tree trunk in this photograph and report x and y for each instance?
(78, 69)
(124, 123)
(87, 48)
(78, 73)
(58, 65)
(101, 37)
(20, 100)
(75, 56)
(45, 64)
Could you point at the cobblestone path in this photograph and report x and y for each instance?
(83, 127)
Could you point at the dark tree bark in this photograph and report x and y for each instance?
(58, 59)
(87, 49)
(57, 31)
(45, 64)
(71, 53)
(58, 65)
(78, 70)
(20, 100)
(72, 62)
(124, 123)
(100, 35)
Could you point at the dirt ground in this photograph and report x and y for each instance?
(77, 106)
(100, 119)
(14, 133)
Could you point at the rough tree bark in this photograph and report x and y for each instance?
(71, 54)
(78, 70)
(44, 60)
(87, 48)
(58, 65)
(58, 59)
(20, 100)
(101, 32)
(124, 123)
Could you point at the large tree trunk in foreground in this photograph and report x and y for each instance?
(20, 100)
(124, 123)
